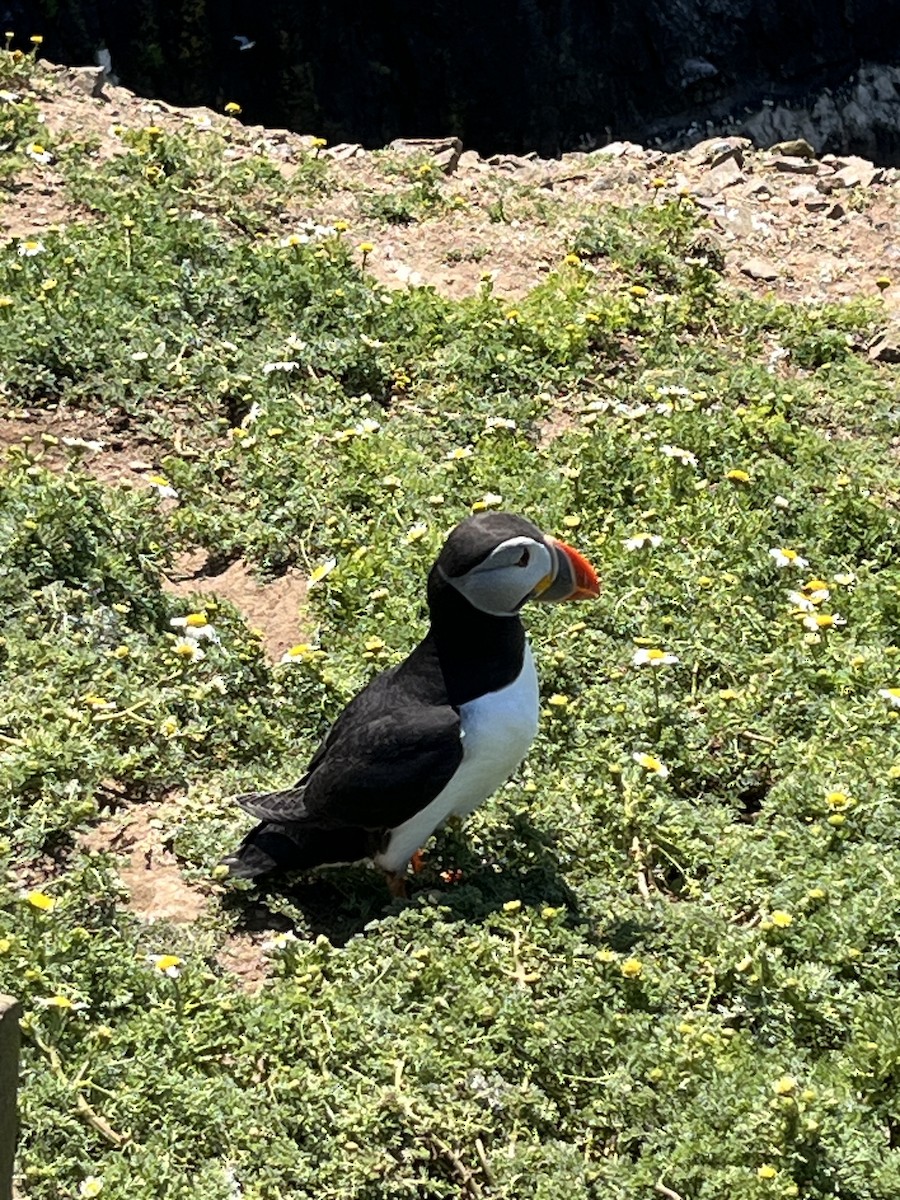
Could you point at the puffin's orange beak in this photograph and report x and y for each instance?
(573, 579)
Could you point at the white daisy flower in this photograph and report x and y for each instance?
(892, 695)
(640, 541)
(816, 621)
(196, 628)
(686, 457)
(189, 650)
(38, 154)
(654, 658)
(163, 487)
(30, 247)
(787, 558)
(278, 942)
(286, 367)
(167, 964)
(318, 573)
(650, 764)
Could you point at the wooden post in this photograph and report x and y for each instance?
(10, 1012)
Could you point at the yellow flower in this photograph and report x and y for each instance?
(62, 1002)
(839, 800)
(737, 476)
(319, 143)
(373, 645)
(632, 968)
(341, 227)
(36, 39)
(571, 522)
(605, 956)
(233, 109)
(882, 282)
(558, 700)
(785, 1086)
(41, 901)
(512, 906)
(366, 247)
(638, 291)
(729, 694)
(892, 695)
(572, 260)
(169, 727)
(766, 1171)
(5, 301)
(167, 964)
(781, 919)
(837, 819)
(120, 652)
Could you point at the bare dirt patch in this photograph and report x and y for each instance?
(276, 607)
(149, 872)
(242, 957)
(56, 438)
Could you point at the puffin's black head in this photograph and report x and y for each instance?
(498, 561)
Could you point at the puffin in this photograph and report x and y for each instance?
(433, 737)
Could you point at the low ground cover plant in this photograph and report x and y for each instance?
(665, 955)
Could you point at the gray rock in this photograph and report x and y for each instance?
(715, 150)
(794, 148)
(470, 160)
(621, 149)
(795, 166)
(342, 151)
(886, 346)
(759, 268)
(726, 174)
(856, 172)
(88, 81)
(809, 196)
(444, 151)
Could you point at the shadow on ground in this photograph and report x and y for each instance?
(341, 903)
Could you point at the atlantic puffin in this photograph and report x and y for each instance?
(433, 737)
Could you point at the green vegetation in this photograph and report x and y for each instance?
(667, 951)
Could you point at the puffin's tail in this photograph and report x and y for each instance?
(268, 848)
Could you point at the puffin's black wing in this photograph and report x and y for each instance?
(383, 760)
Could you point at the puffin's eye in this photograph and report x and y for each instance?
(524, 560)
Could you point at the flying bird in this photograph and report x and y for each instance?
(433, 737)
(243, 42)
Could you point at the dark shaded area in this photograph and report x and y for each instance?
(340, 902)
(517, 75)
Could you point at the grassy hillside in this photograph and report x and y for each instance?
(664, 959)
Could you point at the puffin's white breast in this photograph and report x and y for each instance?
(497, 730)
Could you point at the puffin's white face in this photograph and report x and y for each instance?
(516, 570)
